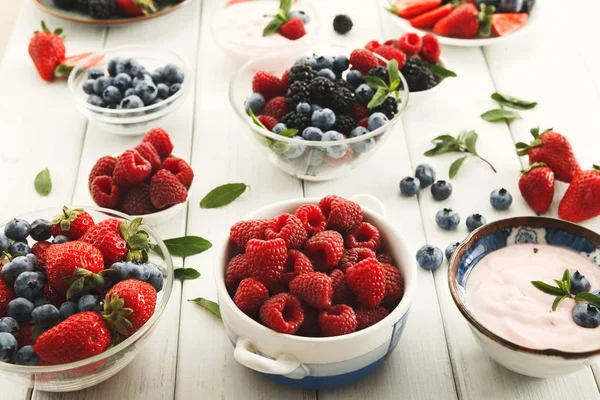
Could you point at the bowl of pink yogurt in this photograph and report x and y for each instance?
(523, 328)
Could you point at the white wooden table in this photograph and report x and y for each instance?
(190, 357)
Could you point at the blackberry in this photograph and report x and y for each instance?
(102, 9)
(320, 89)
(296, 120)
(65, 4)
(83, 6)
(341, 100)
(342, 24)
(381, 73)
(418, 76)
(389, 108)
(297, 93)
(344, 84)
(302, 71)
(344, 124)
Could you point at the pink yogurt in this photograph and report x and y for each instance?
(501, 297)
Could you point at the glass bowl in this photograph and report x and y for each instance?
(140, 120)
(91, 371)
(313, 164)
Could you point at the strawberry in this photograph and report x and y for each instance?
(465, 22)
(53, 295)
(108, 241)
(428, 19)
(131, 168)
(71, 223)
(6, 296)
(285, 79)
(181, 169)
(581, 201)
(80, 336)
(277, 107)
(129, 305)
(134, 8)
(537, 187)
(268, 85)
(505, 24)
(105, 166)
(293, 29)
(554, 150)
(363, 60)
(39, 251)
(412, 8)
(25, 336)
(105, 193)
(166, 190)
(47, 50)
(392, 53)
(63, 259)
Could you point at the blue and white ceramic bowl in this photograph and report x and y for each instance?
(318, 363)
(509, 232)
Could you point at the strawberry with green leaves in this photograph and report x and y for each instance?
(72, 223)
(70, 259)
(582, 199)
(128, 306)
(537, 187)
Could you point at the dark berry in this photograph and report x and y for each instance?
(418, 76)
(344, 124)
(474, 221)
(342, 24)
(429, 257)
(501, 199)
(579, 283)
(447, 219)
(102, 9)
(320, 89)
(17, 229)
(451, 249)
(341, 100)
(8, 347)
(586, 315)
(26, 356)
(19, 249)
(67, 309)
(46, 316)
(302, 72)
(12, 270)
(65, 4)
(380, 72)
(296, 120)
(40, 230)
(20, 309)
(389, 107)
(355, 78)
(30, 285)
(95, 73)
(441, 190)
(410, 186)
(155, 277)
(298, 93)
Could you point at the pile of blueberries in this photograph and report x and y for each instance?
(129, 86)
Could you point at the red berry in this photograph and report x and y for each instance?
(277, 107)
(250, 295)
(289, 228)
(268, 85)
(367, 317)
(243, 231)
(136, 200)
(72, 223)
(391, 42)
(268, 122)
(341, 291)
(55, 297)
(410, 44)
(310, 326)
(394, 286)
(6, 296)
(297, 263)
(581, 201)
(285, 79)
(105, 193)
(139, 297)
(283, 313)
(363, 60)
(363, 122)
(352, 256)
(392, 53)
(267, 258)
(181, 169)
(313, 288)
(149, 153)
(63, 259)
(39, 251)
(372, 45)
(337, 320)
(161, 142)
(108, 240)
(131, 169)
(312, 218)
(367, 281)
(359, 112)
(325, 250)
(363, 235)
(385, 258)
(166, 190)
(25, 337)
(104, 166)
(293, 29)
(237, 270)
(341, 214)
(430, 51)
(537, 187)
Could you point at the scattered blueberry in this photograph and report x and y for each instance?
(20, 309)
(163, 91)
(9, 325)
(40, 230)
(364, 145)
(17, 229)
(146, 91)
(429, 257)
(255, 102)
(323, 62)
(12, 270)
(129, 66)
(300, 14)
(426, 174)
(122, 82)
(175, 88)
(303, 108)
(46, 316)
(155, 276)
(323, 119)
(40, 302)
(8, 347)
(364, 94)
(26, 356)
(313, 134)
(88, 86)
(60, 239)
(131, 102)
(579, 283)
(441, 190)
(585, 315)
(314, 157)
(102, 83)
(447, 219)
(95, 73)
(327, 73)
(114, 64)
(112, 95)
(451, 249)
(4, 242)
(19, 249)
(96, 100)
(340, 64)
(88, 302)
(30, 285)
(501, 199)
(294, 151)
(376, 121)
(355, 78)
(474, 221)
(67, 309)
(334, 151)
(173, 74)
(410, 186)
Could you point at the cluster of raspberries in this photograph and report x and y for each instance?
(322, 271)
(142, 180)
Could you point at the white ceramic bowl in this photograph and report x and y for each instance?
(319, 363)
(418, 98)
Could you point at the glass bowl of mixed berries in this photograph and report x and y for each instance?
(130, 89)
(81, 290)
(320, 113)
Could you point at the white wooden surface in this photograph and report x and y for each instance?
(190, 356)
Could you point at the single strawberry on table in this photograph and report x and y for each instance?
(47, 50)
(537, 187)
(582, 199)
(72, 223)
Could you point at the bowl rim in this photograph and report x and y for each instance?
(528, 221)
(116, 112)
(394, 316)
(146, 328)
(241, 112)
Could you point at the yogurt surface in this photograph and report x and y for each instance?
(501, 297)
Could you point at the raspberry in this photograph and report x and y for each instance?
(363, 235)
(372, 45)
(313, 288)
(367, 281)
(312, 218)
(105, 193)
(392, 53)
(285, 79)
(325, 249)
(310, 326)
(268, 122)
(337, 320)
(39, 251)
(267, 258)
(237, 270)
(293, 29)
(283, 313)
(341, 214)
(131, 169)
(289, 228)
(385, 258)
(250, 295)
(363, 122)
(104, 166)
(136, 200)
(341, 291)
(410, 44)
(391, 42)
(363, 60)
(277, 107)
(430, 51)
(297, 263)
(166, 190)
(149, 153)
(369, 316)
(181, 169)
(394, 286)
(161, 141)
(243, 231)
(268, 85)
(359, 112)
(352, 256)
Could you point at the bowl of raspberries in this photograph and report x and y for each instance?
(130, 89)
(319, 114)
(81, 290)
(147, 181)
(314, 293)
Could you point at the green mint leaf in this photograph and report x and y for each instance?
(440, 71)
(557, 301)
(187, 245)
(285, 6)
(380, 95)
(561, 284)
(544, 287)
(444, 138)
(521, 145)
(567, 280)
(274, 25)
(442, 148)
(43, 183)
(394, 85)
(223, 195)
(470, 140)
(499, 115)
(513, 102)
(393, 73)
(186, 273)
(255, 120)
(455, 167)
(589, 298)
(375, 82)
(209, 305)
(289, 132)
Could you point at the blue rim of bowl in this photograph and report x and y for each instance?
(151, 323)
(241, 112)
(533, 222)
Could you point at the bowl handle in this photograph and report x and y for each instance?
(284, 364)
(370, 202)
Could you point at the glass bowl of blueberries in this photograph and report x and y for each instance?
(130, 88)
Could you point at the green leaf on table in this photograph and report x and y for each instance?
(186, 273)
(557, 301)
(375, 82)
(440, 71)
(186, 246)
(379, 97)
(588, 298)
(223, 195)
(290, 132)
(470, 140)
(455, 167)
(544, 287)
(513, 102)
(43, 183)
(499, 115)
(209, 305)
(442, 148)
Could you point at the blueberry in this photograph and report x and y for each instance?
(155, 277)
(451, 249)
(26, 356)
(9, 325)
(364, 94)
(585, 315)
(300, 14)
(315, 107)
(60, 239)
(173, 74)
(501, 199)
(175, 88)
(34, 261)
(130, 67)
(19, 249)
(313, 134)
(112, 95)
(20, 309)
(114, 65)
(88, 302)
(141, 78)
(146, 91)
(327, 73)
(303, 108)
(302, 59)
(429, 257)
(122, 82)
(441, 190)
(335, 152)
(474, 221)
(102, 83)
(131, 270)
(426, 174)
(67, 309)
(4, 242)
(129, 92)
(280, 127)
(96, 100)
(355, 78)
(410, 186)
(95, 73)
(376, 121)
(46, 316)
(314, 157)
(579, 283)
(131, 102)
(255, 102)
(364, 145)
(509, 6)
(8, 347)
(295, 150)
(12, 270)
(40, 230)
(323, 62)
(157, 76)
(30, 285)
(323, 119)
(88, 86)
(163, 91)
(17, 229)
(340, 64)
(40, 302)
(447, 219)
